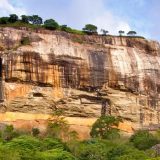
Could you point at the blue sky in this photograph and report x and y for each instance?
(112, 15)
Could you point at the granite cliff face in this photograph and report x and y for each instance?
(79, 73)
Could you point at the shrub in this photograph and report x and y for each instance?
(126, 152)
(25, 145)
(143, 140)
(50, 143)
(54, 154)
(8, 154)
(35, 132)
(8, 133)
(25, 41)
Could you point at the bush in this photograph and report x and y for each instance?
(25, 41)
(50, 143)
(35, 132)
(126, 152)
(91, 149)
(54, 154)
(143, 140)
(8, 133)
(25, 145)
(8, 154)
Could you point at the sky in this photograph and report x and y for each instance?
(141, 16)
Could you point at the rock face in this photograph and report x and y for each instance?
(43, 70)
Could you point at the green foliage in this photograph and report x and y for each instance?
(35, 19)
(158, 158)
(70, 30)
(90, 29)
(105, 128)
(25, 41)
(8, 154)
(54, 154)
(51, 24)
(25, 145)
(35, 132)
(4, 20)
(131, 33)
(143, 140)
(8, 133)
(50, 143)
(24, 19)
(13, 18)
(126, 152)
(91, 149)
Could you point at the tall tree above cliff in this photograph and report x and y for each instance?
(13, 18)
(25, 19)
(131, 33)
(121, 32)
(4, 20)
(35, 19)
(90, 28)
(51, 24)
(104, 32)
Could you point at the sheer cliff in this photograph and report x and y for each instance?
(44, 70)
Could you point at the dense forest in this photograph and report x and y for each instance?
(60, 143)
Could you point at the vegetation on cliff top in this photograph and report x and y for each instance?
(36, 22)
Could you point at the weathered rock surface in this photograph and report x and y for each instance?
(76, 73)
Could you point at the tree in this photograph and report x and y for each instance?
(143, 140)
(104, 32)
(13, 18)
(51, 24)
(4, 20)
(121, 33)
(35, 19)
(106, 127)
(131, 33)
(90, 29)
(58, 127)
(24, 19)
(64, 27)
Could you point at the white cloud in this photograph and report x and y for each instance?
(82, 12)
(7, 8)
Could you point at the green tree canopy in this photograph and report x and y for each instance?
(51, 24)
(131, 33)
(13, 18)
(24, 19)
(90, 28)
(4, 20)
(35, 19)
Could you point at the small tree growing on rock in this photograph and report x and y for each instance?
(106, 128)
(58, 127)
(90, 29)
